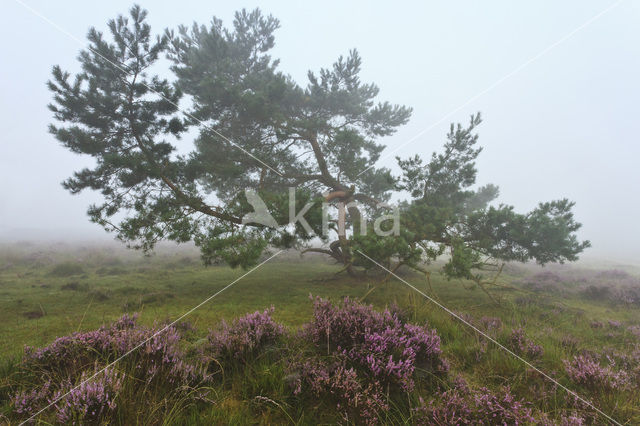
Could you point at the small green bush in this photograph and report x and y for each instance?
(67, 269)
(75, 286)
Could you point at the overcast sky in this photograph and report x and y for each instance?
(565, 124)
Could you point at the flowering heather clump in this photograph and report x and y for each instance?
(547, 276)
(361, 353)
(523, 346)
(635, 330)
(399, 312)
(393, 354)
(543, 281)
(569, 342)
(565, 419)
(30, 402)
(70, 354)
(462, 405)
(91, 400)
(491, 324)
(596, 324)
(466, 317)
(627, 294)
(595, 292)
(613, 274)
(614, 324)
(69, 359)
(379, 342)
(354, 401)
(572, 420)
(245, 335)
(161, 359)
(346, 325)
(83, 402)
(588, 372)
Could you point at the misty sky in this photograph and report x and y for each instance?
(566, 124)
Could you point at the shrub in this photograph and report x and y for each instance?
(89, 402)
(393, 355)
(572, 420)
(597, 292)
(627, 294)
(588, 372)
(569, 342)
(346, 325)
(543, 281)
(112, 270)
(596, 324)
(523, 346)
(92, 399)
(68, 355)
(72, 359)
(614, 324)
(29, 402)
(462, 405)
(35, 314)
(354, 401)
(67, 269)
(377, 342)
(244, 337)
(75, 286)
(635, 330)
(361, 354)
(99, 295)
(613, 274)
(69, 358)
(491, 324)
(564, 419)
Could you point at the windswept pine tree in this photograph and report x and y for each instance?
(252, 127)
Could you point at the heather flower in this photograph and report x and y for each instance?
(491, 324)
(161, 359)
(70, 359)
(572, 420)
(523, 346)
(90, 401)
(613, 274)
(569, 342)
(393, 354)
(346, 325)
(465, 316)
(596, 324)
(245, 335)
(354, 400)
(399, 312)
(462, 405)
(588, 372)
(368, 351)
(378, 342)
(30, 402)
(635, 330)
(69, 355)
(614, 324)
(544, 281)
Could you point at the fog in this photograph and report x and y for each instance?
(560, 113)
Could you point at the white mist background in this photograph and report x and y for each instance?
(566, 125)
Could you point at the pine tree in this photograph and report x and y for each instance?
(253, 127)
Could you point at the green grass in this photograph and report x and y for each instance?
(43, 297)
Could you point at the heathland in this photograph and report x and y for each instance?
(294, 343)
